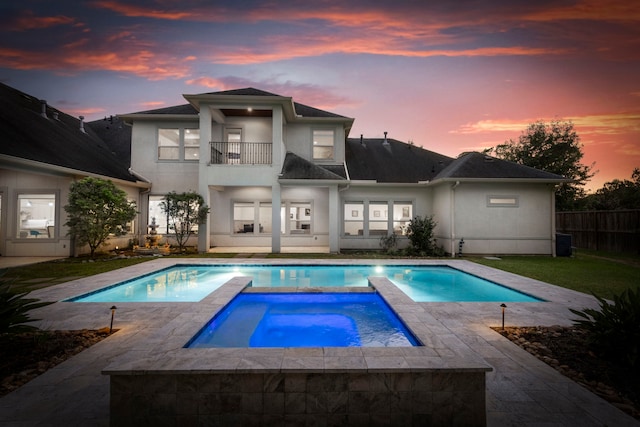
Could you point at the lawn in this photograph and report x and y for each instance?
(604, 274)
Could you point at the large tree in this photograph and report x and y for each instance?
(184, 211)
(617, 194)
(97, 209)
(553, 147)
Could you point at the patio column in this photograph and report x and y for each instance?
(204, 236)
(334, 218)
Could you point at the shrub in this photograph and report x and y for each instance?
(14, 308)
(389, 243)
(420, 233)
(614, 330)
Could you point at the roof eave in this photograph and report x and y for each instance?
(312, 182)
(41, 167)
(502, 180)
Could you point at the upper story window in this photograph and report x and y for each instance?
(323, 144)
(178, 144)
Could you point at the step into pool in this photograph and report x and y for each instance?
(190, 283)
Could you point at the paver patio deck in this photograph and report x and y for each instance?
(521, 390)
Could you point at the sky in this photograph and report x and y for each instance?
(450, 76)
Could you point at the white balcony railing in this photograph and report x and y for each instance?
(241, 153)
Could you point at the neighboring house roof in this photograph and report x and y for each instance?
(295, 167)
(392, 162)
(478, 165)
(51, 141)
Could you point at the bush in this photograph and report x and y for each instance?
(420, 233)
(14, 308)
(614, 330)
(389, 243)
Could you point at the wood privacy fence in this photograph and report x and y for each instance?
(614, 231)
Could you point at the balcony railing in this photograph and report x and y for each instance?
(241, 153)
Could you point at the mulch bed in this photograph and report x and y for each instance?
(26, 355)
(566, 349)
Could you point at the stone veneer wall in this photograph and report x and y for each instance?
(298, 399)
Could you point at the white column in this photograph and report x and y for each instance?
(334, 219)
(204, 233)
(277, 162)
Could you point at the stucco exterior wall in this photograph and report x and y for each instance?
(522, 229)
(59, 244)
(442, 216)
(419, 196)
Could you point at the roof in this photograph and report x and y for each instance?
(392, 162)
(188, 109)
(478, 165)
(295, 167)
(116, 134)
(26, 134)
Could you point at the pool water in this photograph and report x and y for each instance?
(186, 283)
(305, 320)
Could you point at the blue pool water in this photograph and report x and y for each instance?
(305, 320)
(193, 283)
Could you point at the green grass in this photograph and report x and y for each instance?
(589, 272)
(605, 274)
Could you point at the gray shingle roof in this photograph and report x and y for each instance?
(478, 165)
(397, 162)
(28, 135)
(116, 134)
(295, 167)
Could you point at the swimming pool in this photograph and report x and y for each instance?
(190, 283)
(305, 320)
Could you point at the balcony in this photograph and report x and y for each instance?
(241, 153)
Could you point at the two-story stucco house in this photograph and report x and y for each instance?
(279, 175)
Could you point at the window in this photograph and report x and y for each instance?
(299, 218)
(243, 217)
(503, 201)
(323, 144)
(191, 144)
(169, 144)
(155, 211)
(402, 215)
(354, 218)
(378, 219)
(174, 143)
(371, 219)
(36, 216)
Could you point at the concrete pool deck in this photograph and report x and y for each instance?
(520, 390)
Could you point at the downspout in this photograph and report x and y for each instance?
(453, 218)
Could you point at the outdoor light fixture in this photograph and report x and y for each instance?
(503, 306)
(113, 313)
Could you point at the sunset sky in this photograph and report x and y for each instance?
(451, 76)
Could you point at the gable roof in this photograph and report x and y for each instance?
(391, 162)
(116, 134)
(301, 110)
(478, 165)
(295, 167)
(28, 135)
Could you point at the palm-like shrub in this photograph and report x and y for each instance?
(15, 308)
(614, 330)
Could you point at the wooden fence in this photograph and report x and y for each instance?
(613, 231)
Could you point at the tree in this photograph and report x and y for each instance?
(97, 209)
(617, 194)
(553, 147)
(184, 211)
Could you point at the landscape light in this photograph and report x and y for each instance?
(503, 306)
(113, 313)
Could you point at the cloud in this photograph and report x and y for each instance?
(28, 21)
